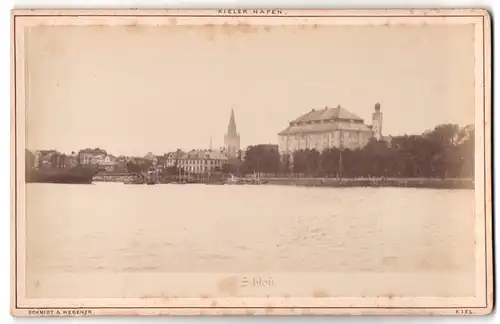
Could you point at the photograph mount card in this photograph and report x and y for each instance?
(251, 162)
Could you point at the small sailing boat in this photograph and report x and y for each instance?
(233, 180)
(256, 179)
(152, 177)
(135, 180)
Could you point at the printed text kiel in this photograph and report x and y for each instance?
(250, 12)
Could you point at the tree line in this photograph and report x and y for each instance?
(447, 151)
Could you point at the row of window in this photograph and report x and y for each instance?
(349, 135)
(197, 168)
(302, 144)
(196, 162)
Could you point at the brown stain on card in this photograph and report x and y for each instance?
(245, 28)
(319, 293)
(228, 285)
(211, 31)
(389, 261)
(135, 27)
(424, 265)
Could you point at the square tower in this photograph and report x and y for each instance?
(377, 123)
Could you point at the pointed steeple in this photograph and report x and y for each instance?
(232, 138)
(231, 128)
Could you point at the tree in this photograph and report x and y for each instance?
(329, 162)
(132, 167)
(171, 170)
(446, 151)
(299, 162)
(312, 162)
(442, 142)
(229, 168)
(285, 164)
(262, 159)
(465, 152)
(30, 160)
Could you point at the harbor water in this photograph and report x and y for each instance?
(112, 227)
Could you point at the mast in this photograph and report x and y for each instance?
(341, 142)
(340, 164)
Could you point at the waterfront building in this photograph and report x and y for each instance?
(71, 160)
(267, 147)
(107, 163)
(44, 158)
(53, 159)
(31, 159)
(242, 155)
(150, 156)
(326, 128)
(156, 161)
(160, 161)
(197, 161)
(232, 138)
(92, 156)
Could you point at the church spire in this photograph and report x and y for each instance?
(231, 128)
(232, 138)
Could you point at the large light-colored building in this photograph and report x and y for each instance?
(54, 159)
(326, 128)
(197, 161)
(92, 156)
(232, 138)
(206, 161)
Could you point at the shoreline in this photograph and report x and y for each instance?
(429, 183)
(375, 183)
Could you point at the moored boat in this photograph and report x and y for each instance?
(152, 177)
(76, 175)
(134, 181)
(234, 181)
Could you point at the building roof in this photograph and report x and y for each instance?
(149, 156)
(93, 151)
(161, 158)
(110, 163)
(324, 127)
(43, 152)
(267, 146)
(47, 155)
(327, 114)
(198, 155)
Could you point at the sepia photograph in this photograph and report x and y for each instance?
(251, 161)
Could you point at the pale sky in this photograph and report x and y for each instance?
(131, 90)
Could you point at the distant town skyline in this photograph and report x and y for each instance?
(159, 89)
